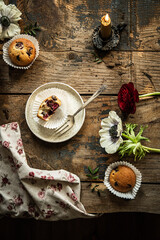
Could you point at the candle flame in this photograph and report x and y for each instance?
(107, 17)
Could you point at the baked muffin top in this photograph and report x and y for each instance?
(122, 178)
(21, 52)
(48, 107)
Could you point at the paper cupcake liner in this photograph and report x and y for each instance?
(6, 57)
(131, 194)
(60, 114)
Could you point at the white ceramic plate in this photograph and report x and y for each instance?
(46, 134)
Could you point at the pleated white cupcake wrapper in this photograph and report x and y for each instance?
(60, 115)
(129, 195)
(6, 57)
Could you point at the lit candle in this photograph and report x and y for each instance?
(106, 27)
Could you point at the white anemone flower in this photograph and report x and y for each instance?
(110, 134)
(9, 17)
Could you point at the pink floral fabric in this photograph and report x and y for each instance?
(30, 192)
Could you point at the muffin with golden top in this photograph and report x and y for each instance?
(22, 52)
(122, 178)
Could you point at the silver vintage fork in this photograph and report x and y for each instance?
(68, 124)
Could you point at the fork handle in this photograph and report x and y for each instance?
(99, 91)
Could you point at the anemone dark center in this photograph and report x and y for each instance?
(113, 133)
(5, 21)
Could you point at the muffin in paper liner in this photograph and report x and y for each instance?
(6, 57)
(60, 115)
(128, 195)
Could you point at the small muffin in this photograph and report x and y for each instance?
(122, 178)
(22, 52)
(48, 107)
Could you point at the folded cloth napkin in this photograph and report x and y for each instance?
(30, 192)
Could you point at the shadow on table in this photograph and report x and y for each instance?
(130, 226)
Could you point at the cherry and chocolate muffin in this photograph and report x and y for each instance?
(22, 52)
(48, 107)
(122, 178)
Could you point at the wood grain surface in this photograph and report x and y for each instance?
(67, 55)
(146, 200)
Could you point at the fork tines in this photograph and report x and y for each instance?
(62, 129)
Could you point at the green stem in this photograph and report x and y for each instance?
(126, 136)
(149, 94)
(151, 149)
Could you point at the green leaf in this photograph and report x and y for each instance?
(99, 61)
(133, 143)
(95, 177)
(89, 175)
(96, 59)
(33, 32)
(31, 29)
(95, 170)
(37, 29)
(89, 168)
(93, 189)
(94, 54)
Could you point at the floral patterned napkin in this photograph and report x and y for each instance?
(30, 192)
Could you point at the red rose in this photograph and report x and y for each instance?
(73, 197)
(19, 142)
(20, 151)
(41, 193)
(31, 174)
(43, 177)
(71, 178)
(31, 208)
(18, 201)
(53, 187)
(5, 180)
(49, 213)
(127, 97)
(14, 126)
(6, 144)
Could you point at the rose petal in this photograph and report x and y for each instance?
(136, 96)
(127, 97)
(130, 86)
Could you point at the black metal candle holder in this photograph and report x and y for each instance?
(110, 43)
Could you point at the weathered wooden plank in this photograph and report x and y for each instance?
(4, 73)
(145, 27)
(146, 70)
(70, 24)
(76, 69)
(81, 72)
(84, 149)
(145, 201)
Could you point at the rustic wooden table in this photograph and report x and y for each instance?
(66, 55)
